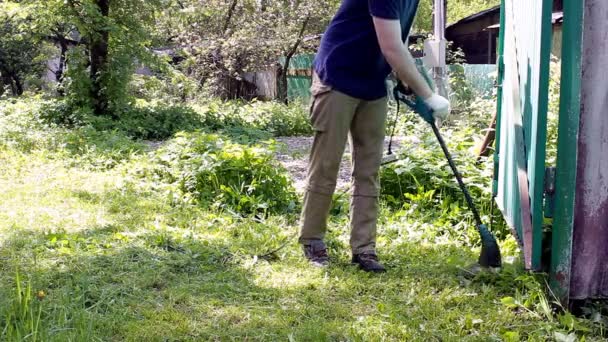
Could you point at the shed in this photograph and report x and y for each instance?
(477, 35)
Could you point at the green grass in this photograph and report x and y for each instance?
(98, 253)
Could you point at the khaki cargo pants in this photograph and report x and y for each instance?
(335, 117)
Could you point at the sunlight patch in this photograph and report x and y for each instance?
(267, 276)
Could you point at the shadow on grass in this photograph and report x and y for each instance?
(102, 283)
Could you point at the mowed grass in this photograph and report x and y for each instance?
(97, 254)
(116, 261)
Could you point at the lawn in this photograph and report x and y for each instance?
(98, 244)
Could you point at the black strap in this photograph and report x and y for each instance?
(390, 142)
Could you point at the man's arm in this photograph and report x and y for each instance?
(399, 57)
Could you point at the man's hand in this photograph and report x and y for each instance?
(440, 106)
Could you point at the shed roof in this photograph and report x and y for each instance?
(557, 17)
(476, 16)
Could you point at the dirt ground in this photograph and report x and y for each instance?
(296, 150)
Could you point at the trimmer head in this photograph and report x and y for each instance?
(490, 252)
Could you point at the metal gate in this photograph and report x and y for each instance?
(524, 60)
(578, 198)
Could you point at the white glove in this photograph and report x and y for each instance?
(440, 106)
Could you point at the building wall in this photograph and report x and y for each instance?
(474, 38)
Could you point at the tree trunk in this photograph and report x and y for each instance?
(282, 75)
(229, 16)
(282, 83)
(62, 61)
(18, 90)
(99, 59)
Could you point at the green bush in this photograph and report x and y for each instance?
(156, 122)
(220, 174)
(169, 86)
(34, 124)
(275, 118)
(94, 149)
(61, 113)
(21, 125)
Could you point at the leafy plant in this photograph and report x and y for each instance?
(220, 174)
(156, 122)
(422, 187)
(272, 117)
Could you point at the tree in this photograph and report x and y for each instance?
(20, 47)
(222, 40)
(113, 36)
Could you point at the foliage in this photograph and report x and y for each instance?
(111, 37)
(217, 173)
(222, 40)
(272, 117)
(22, 53)
(239, 120)
(46, 126)
(553, 114)
(421, 184)
(23, 318)
(155, 121)
(462, 93)
(168, 86)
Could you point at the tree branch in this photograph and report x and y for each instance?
(295, 46)
(229, 16)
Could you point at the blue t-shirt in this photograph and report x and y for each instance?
(349, 58)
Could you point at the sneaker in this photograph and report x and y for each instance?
(316, 252)
(368, 262)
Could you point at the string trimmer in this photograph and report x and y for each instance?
(490, 252)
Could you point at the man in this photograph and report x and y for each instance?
(364, 41)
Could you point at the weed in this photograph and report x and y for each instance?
(23, 317)
(220, 174)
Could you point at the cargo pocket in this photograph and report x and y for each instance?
(319, 92)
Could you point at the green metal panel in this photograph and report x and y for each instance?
(299, 77)
(526, 39)
(499, 80)
(567, 151)
(478, 76)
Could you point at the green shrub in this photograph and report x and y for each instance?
(34, 124)
(217, 173)
(94, 149)
(275, 118)
(170, 86)
(61, 113)
(156, 122)
(462, 93)
(21, 125)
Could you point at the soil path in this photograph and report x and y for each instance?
(294, 157)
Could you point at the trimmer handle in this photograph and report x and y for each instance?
(401, 93)
(405, 94)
